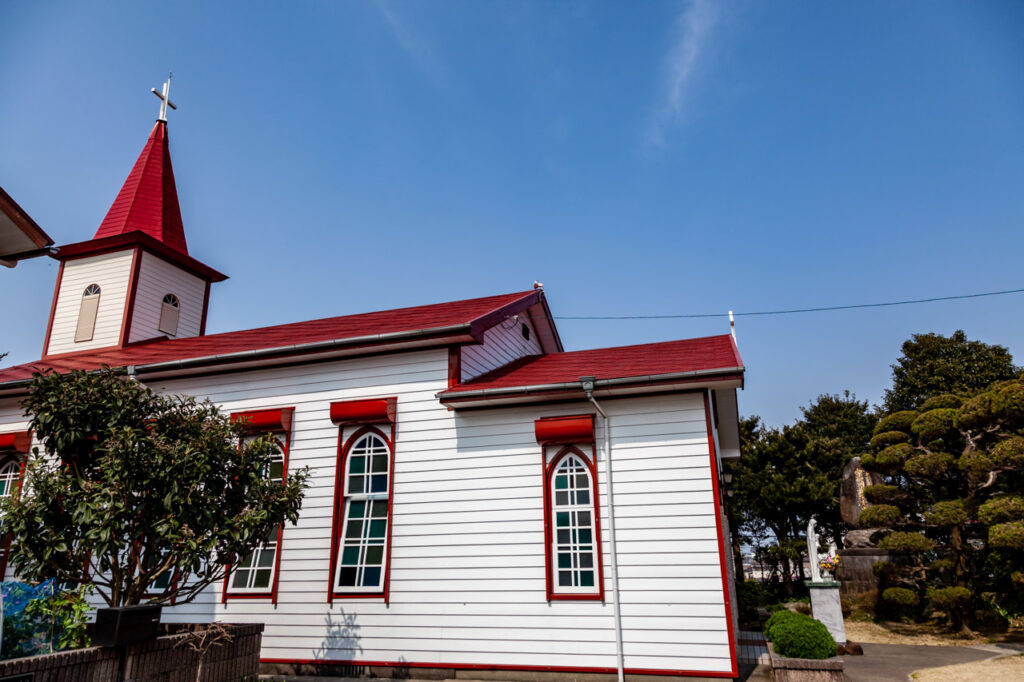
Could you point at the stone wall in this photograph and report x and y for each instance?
(164, 658)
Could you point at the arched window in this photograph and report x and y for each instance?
(574, 554)
(169, 309)
(362, 557)
(10, 476)
(255, 572)
(87, 313)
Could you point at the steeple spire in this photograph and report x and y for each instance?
(148, 201)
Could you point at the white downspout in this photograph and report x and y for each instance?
(588, 388)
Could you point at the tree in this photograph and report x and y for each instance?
(952, 498)
(784, 478)
(132, 487)
(933, 364)
(843, 423)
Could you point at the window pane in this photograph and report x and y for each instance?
(262, 579)
(573, 549)
(380, 483)
(358, 465)
(348, 577)
(371, 578)
(374, 555)
(350, 556)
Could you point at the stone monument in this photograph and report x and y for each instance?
(860, 553)
(825, 604)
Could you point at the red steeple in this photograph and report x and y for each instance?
(148, 201)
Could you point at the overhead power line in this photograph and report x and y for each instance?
(791, 311)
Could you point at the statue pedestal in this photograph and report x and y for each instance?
(826, 607)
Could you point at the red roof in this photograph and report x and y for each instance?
(646, 362)
(466, 318)
(148, 201)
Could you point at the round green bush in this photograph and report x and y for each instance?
(897, 421)
(879, 515)
(948, 513)
(1007, 535)
(903, 541)
(941, 566)
(799, 636)
(1002, 509)
(977, 462)
(892, 457)
(945, 400)
(888, 438)
(779, 615)
(901, 596)
(935, 424)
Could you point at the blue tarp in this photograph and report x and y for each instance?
(19, 634)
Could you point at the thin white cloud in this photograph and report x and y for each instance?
(693, 29)
(411, 42)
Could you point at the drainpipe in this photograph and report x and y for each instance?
(588, 388)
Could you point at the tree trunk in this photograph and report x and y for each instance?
(960, 615)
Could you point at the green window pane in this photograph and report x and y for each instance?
(357, 510)
(375, 555)
(562, 519)
(276, 471)
(587, 578)
(377, 528)
(246, 562)
(262, 579)
(371, 577)
(358, 465)
(379, 508)
(561, 482)
(350, 556)
(564, 560)
(266, 559)
(380, 463)
(585, 538)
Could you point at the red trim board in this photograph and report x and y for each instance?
(488, 666)
(722, 544)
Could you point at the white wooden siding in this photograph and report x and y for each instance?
(503, 343)
(111, 271)
(157, 278)
(467, 560)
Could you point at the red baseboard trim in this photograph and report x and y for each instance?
(492, 666)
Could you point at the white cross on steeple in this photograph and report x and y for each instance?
(165, 100)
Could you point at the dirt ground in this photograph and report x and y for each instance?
(1010, 668)
(903, 633)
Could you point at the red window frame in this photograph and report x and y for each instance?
(573, 433)
(276, 421)
(365, 416)
(549, 560)
(14, 445)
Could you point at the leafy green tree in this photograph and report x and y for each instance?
(784, 477)
(845, 424)
(135, 489)
(952, 497)
(932, 364)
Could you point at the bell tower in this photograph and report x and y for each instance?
(134, 281)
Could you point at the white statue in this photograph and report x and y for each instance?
(812, 550)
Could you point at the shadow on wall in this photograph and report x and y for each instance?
(341, 644)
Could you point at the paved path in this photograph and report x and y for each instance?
(894, 662)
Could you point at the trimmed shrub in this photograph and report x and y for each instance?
(1009, 454)
(1007, 535)
(903, 541)
(879, 515)
(798, 636)
(900, 601)
(1002, 401)
(948, 513)
(977, 462)
(939, 401)
(881, 493)
(935, 424)
(888, 438)
(1002, 509)
(941, 566)
(948, 598)
(929, 465)
(897, 421)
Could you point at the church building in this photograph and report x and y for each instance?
(483, 502)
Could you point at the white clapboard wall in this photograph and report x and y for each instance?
(503, 343)
(467, 572)
(111, 272)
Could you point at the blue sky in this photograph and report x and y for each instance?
(637, 158)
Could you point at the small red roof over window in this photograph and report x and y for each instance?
(148, 201)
